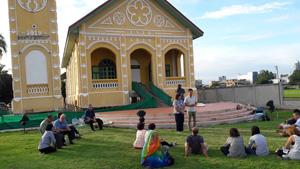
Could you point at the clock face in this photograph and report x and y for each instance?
(32, 5)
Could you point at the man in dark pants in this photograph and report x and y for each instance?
(90, 118)
(62, 127)
(58, 136)
(73, 129)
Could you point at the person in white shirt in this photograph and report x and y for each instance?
(296, 116)
(190, 102)
(260, 148)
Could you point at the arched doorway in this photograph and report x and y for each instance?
(174, 63)
(140, 60)
(135, 71)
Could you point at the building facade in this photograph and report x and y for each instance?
(122, 41)
(35, 56)
(251, 77)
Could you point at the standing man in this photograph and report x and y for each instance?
(180, 91)
(58, 136)
(62, 127)
(90, 118)
(190, 102)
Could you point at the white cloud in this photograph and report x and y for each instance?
(279, 19)
(243, 9)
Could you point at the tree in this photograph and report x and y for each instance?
(295, 78)
(2, 46)
(264, 77)
(6, 91)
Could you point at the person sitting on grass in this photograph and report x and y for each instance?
(291, 150)
(58, 137)
(73, 129)
(260, 148)
(62, 127)
(286, 124)
(90, 118)
(45, 143)
(195, 144)
(140, 136)
(296, 116)
(153, 155)
(234, 146)
(163, 142)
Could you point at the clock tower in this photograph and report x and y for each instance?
(35, 56)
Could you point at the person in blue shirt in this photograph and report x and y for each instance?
(62, 127)
(180, 91)
(90, 118)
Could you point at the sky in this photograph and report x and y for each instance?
(240, 36)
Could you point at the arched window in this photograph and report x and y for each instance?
(105, 70)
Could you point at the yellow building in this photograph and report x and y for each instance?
(128, 40)
(35, 56)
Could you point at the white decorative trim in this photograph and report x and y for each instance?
(126, 92)
(169, 25)
(92, 44)
(17, 99)
(84, 76)
(58, 96)
(159, 21)
(108, 85)
(84, 94)
(15, 55)
(133, 18)
(38, 90)
(107, 22)
(16, 67)
(27, 5)
(16, 79)
(141, 43)
(56, 77)
(119, 18)
(175, 82)
(55, 66)
(175, 44)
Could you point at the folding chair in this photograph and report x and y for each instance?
(78, 124)
(259, 112)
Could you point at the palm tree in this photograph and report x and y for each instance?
(2, 46)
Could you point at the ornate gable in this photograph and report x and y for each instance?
(135, 15)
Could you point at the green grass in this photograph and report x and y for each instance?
(112, 148)
(292, 93)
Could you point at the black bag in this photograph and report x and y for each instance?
(265, 118)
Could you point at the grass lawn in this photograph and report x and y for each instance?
(112, 148)
(295, 93)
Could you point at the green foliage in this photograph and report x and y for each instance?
(112, 148)
(63, 89)
(214, 84)
(6, 91)
(264, 77)
(2, 46)
(295, 78)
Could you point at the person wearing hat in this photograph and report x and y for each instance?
(180, 91)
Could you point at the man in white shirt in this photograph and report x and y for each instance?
(190, 102)
(296, 116)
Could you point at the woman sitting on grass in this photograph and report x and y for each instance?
(260, 148)
(234, 146)
(140, 136)
(47, 138)
(291, 150)
(163, 142)
(153, 155)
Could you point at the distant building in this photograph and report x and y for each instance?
(251, 77)
(213, 82)
(297, 66)
(222, 78)
(284, 79)
(236, 82)
(198, 83)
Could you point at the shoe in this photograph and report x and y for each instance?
(71, 142)
(285, 158)
(60, 148)
(77, 137)
(81, 134)
(175, 143)
(65, 144)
